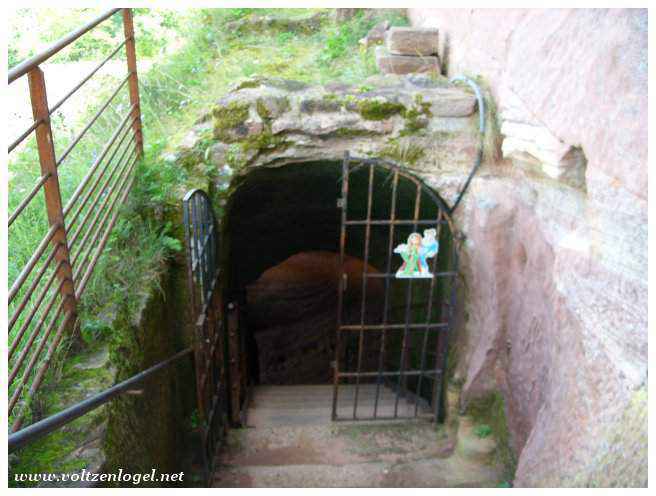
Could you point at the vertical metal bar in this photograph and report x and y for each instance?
(364, 288)
(233, 343)
(190, 275)
(429, 312)
(447, 332)
(196, 260)
(48, 162)
(408, 309)
(388, 271)
(340, 281)
(133, 85)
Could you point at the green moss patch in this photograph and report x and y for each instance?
(490, 413)
(375, 110)
(228, 118)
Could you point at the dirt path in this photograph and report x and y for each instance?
(414, 453)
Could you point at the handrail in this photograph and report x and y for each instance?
(39, 429)
(29, 64)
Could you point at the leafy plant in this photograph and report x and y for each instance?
(483, 431)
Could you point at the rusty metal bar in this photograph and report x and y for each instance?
(111, 189)
(33, 286)
(107, 190)
(35, 332)
(387, 374)
(29, 64)
(51, 188)
(95, 117)
(37, 306)
(364, 222)
(35, 356)
(392, 275)
(26, 201)
(105, 237)
(340, 283)
(408, 298)
(56, 106)
(25, 134)
(390, 247)
(90, 192)
(27, 269)
(367, 237)
(130, 52)
(389, 327)
(95, 164)
(429, 313)
(233, 346)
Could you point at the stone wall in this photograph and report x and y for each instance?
(555, 259)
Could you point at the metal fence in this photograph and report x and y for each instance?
(44, 296)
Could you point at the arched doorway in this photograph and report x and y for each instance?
(309, 258)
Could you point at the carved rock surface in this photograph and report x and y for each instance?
(293, 309)
(557, 286)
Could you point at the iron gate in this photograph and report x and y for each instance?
(201, 233)
(392, 328)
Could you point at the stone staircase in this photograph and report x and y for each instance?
(290, 441)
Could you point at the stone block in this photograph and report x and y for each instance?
(412, 41)
(405, 64)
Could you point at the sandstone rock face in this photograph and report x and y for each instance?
(405, 64)
(556, 253)
(293, 316)
(412, 41)
(554, 257)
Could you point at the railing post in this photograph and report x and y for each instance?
(133, 83)
(46, 150)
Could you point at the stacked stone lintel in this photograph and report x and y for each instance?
(409, 50)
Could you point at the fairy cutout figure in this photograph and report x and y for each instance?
(415, 254)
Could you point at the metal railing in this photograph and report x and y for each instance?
(211, 342)
(44, 296)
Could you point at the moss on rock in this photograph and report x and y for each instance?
(227, 118)
(377, 110)
(491, 411)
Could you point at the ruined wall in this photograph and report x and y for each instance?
(555, 259)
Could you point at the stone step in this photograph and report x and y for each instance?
(449, 472)
(337, 443)
(312, 405)
(389, 63)
(412, 41)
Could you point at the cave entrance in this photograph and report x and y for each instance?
(331, 293)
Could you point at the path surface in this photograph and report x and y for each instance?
(291, 442)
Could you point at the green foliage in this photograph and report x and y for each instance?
(490, 411)
(195, 61)
(483, 431)
(404, 152)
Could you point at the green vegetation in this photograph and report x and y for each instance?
(227, 118)
(483, 430)
(195, 58)
(403, 151)
(490, 413)
(374, 110)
